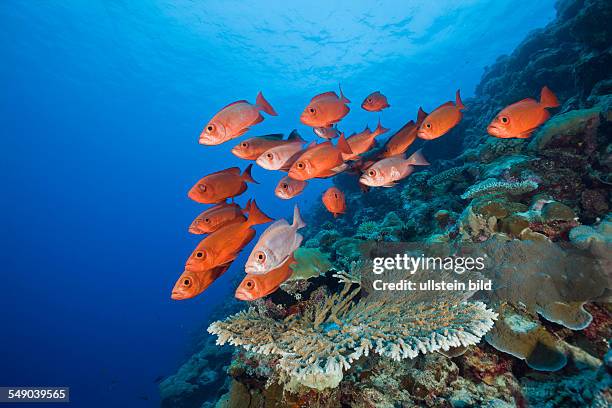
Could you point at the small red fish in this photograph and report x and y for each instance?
(321, 160)
(216, 217)
(221, 185)
(386, 172)
(234, 120)
(442, 119)
(191, 284)
(325, 109)
(252, 148)
(223, 246)
(288, 188)
(403, 138)
(375, 102)
(334, 201)
(362, 142)
(520, 119)
(255, 287)
(326, 132)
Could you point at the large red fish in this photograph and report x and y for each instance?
(334, 201)
(442, 119)
(375, 102)
(216, 217)
(255, 287)
(191, 284)
(322, 160)
(218, 186)
(403, 138)
(325, 109)
(223, 246)
(362, 142)
(234, 120)
(520, 119)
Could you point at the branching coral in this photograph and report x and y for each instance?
(492, 185)
(316, 347)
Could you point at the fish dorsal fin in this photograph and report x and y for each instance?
(231, 170)
(274, 136)
(421, 115)
(234, 103)
(324, 95)
(527, 100)
(410, 123)
(294, 136)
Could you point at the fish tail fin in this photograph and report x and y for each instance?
(256, 216)
(421, 115)
(380, 129)
(342, 97)
(417, 159)
(247, 207)
(246, 174)
(294, 136)
(265, 105)
(548, 99)
(458, 101)
(343, 145)
(298, 222)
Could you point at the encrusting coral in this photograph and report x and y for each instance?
(316, 347)
(491, 186)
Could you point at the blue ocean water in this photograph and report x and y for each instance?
(101, 105)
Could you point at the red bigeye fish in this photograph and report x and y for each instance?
(223, 246)
(403, 138)
(520, 119)
(288, 188)
(375, 102)
(255, 287)
(326, 132)
(280, 157)
(386, 172)
(191, 284)
(217, 187)
(333, 200)
(322, 160)
(275, 245)
(252, 148)
(442, 119)
(325, 109)
(362, 142)
(216, 217)
(234, 120)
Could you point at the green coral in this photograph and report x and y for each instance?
(494, 186)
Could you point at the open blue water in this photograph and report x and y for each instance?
(101, 105)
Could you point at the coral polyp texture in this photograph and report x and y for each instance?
(316, 347)
(493, 186)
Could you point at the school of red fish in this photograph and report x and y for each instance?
(229, 228)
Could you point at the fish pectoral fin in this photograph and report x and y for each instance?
(525, 134)
(394, 172)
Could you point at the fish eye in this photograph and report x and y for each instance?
(244, 144)
(187, 282)
(335, 195)
(202, 188)
(370, 100)
(210, 128)
(372, 173)
(312, 110)
(250, 284)
(300, 165)
(504, 119)
(428, 125)
(206, 220)
(199, 254)
(269, 156)
(285, 186)
(261, 257)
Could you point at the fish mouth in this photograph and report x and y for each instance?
(493, 130)
(242, 294)
(176, 295)
(422, 134)
(195, 230)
